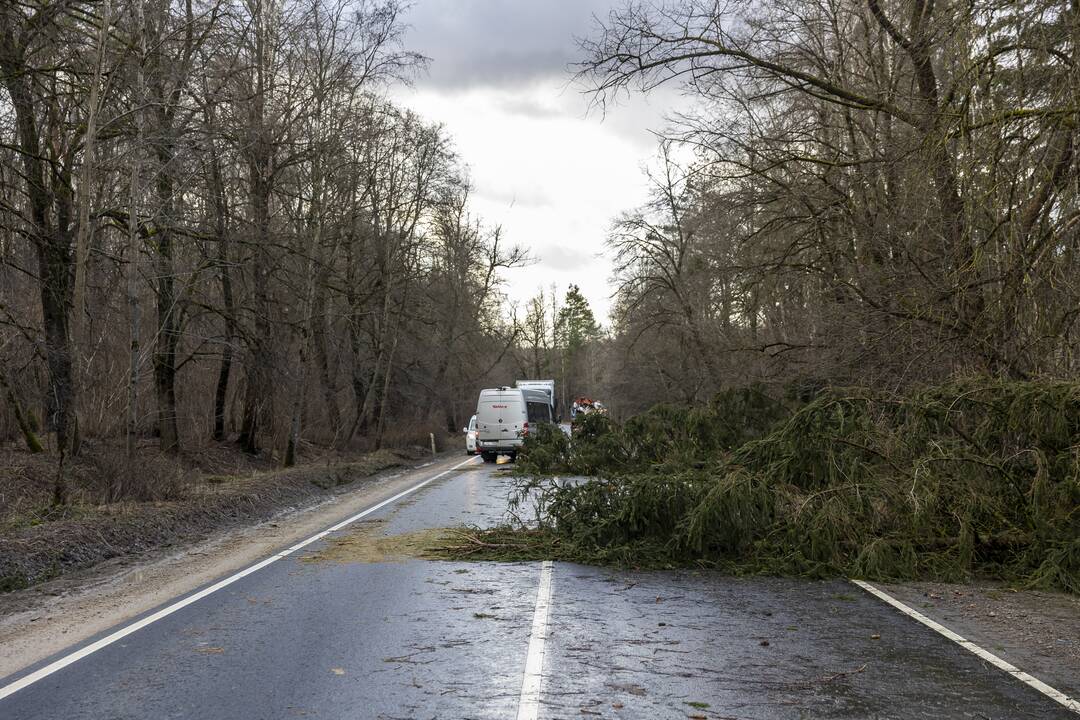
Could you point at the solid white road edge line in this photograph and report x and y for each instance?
(986, 655)
(165, 612)
(529, 704)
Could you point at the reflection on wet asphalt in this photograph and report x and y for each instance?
(677, 644)
(416, 639)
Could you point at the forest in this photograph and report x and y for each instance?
(215, 225)
(219, 231)
(872, 192)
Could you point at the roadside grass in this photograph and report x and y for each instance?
(188, 499)
(978, 477)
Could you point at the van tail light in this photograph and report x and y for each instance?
(525, 429)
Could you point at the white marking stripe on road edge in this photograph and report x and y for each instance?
(165, 612)
(986, 655)
(529, 705)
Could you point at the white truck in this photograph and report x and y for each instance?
(547, 386)
(504, 416)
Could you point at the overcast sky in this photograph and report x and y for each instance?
(553, 174)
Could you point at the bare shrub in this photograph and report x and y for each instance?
(110, 476)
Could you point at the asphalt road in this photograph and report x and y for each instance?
(351, 638)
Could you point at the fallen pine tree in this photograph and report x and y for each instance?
(974, 478)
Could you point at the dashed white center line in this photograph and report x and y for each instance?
(971, 647)
(529, 705)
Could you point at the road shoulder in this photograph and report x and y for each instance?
(1037, 631)
(40, 621)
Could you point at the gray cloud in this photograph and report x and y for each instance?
(547, 170)
(638, 116)
(522, 50)
(529, 107)
(499, 43)
(563, 258)
(528, 195)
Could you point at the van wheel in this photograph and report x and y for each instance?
(489, 457)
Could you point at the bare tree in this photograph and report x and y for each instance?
(236, 166)
(872, 179)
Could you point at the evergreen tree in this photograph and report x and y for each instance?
(576, 324)
(575, 331)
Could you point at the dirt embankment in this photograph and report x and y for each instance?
(39, 542)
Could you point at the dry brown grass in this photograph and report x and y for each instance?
(366, 543)
(165, 500)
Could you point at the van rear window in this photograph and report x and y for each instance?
(539, 412)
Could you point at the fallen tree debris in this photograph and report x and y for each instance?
(975, 477)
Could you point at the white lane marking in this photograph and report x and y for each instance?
(986, 655)
(529, 704)
(63, 662)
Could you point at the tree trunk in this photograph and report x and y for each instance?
(221, 391)
(82, 240)
(259, 391)
(221, 232)
(33, 444)
(133, 249)
(53, 242)
(322, 359)
(384, 395)
(258, 395)
(168, 332)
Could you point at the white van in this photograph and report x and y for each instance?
(503, 418)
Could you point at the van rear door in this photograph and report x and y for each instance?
(500, 415)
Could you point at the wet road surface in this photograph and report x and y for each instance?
(419, 639)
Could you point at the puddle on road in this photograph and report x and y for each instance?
(366, 544)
